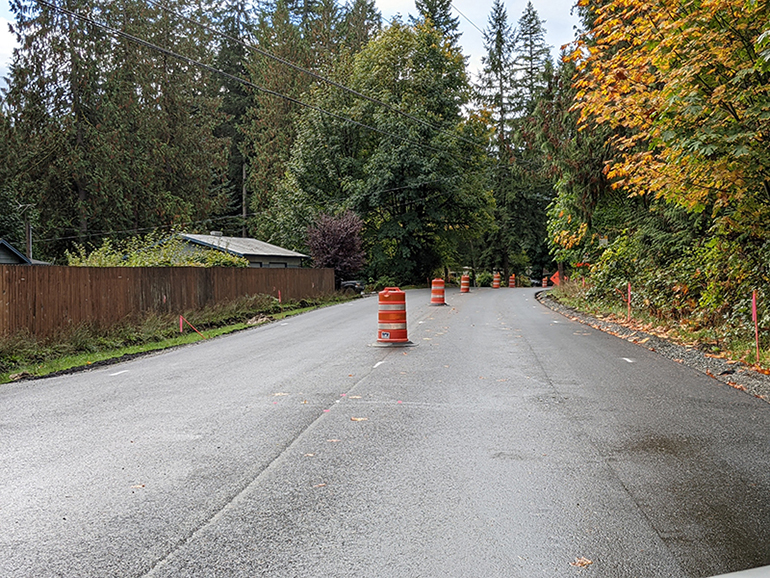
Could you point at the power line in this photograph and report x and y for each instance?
(215, 70)
(468, 19)
(312, 73)
(91, 234)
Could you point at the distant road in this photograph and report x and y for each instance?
(510, 442)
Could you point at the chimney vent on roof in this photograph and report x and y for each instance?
(216, 233)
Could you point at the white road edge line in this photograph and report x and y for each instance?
(118, 373)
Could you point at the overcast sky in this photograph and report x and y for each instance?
(473, 14)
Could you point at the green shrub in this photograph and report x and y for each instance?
(484, 279)
(152, 250)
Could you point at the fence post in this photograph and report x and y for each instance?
(629, 302)
(756, 320)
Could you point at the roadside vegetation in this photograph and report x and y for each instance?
(732, 338)
(155, 249)
(24, 356)
(371, 146)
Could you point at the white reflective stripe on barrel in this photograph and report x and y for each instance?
(394, 325)
(392, 307)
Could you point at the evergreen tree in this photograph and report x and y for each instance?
(271, 128)
(235, 19)
(531, 56)
(361, 23)
(116, 135)
(12, 209)
(514, 79)
(53, 105)
(324, 34)
(439, 12)
(494, 89)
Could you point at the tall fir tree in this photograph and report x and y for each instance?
(514, 78)
(439, 12)
(324, 34)
(531, 56)
(236, 20)
(117, 135)
(361, 23)
(271, 127)
(494, 89)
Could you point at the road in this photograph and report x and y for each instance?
(509, 442)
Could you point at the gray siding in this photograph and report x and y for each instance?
(9, 258)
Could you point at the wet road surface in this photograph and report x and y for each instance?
(509, 442)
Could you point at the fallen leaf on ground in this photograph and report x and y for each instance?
(280, 393)
(359, 419)
(319, 485)
(309, 455)
(138, 486)
(332, 441)
(354, 397)
(581, 562)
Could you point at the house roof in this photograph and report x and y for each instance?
(241, 246)
(23, 260)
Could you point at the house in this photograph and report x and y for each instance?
(258, 253)
(10, 256)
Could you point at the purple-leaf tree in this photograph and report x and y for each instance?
(335, 242)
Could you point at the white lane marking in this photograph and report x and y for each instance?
(376, 365)
(628, 360)
(118, 373)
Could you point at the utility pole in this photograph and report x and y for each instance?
(28, 229)
(25, 210)
(243, 201)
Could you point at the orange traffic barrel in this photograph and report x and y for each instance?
(391, 322)
(465, 284)
(437, 292)
(512, 281)
(545, 281)
(496, 281)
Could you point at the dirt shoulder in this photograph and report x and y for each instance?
(732, 373)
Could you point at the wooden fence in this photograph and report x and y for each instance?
(43, 299)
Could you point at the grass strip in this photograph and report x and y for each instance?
(83, 347)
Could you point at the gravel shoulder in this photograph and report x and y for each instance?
(732, 373)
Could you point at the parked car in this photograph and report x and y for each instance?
(352, 286)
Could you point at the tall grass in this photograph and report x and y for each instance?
(23, 353)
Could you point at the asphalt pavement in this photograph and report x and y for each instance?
(510, 441)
